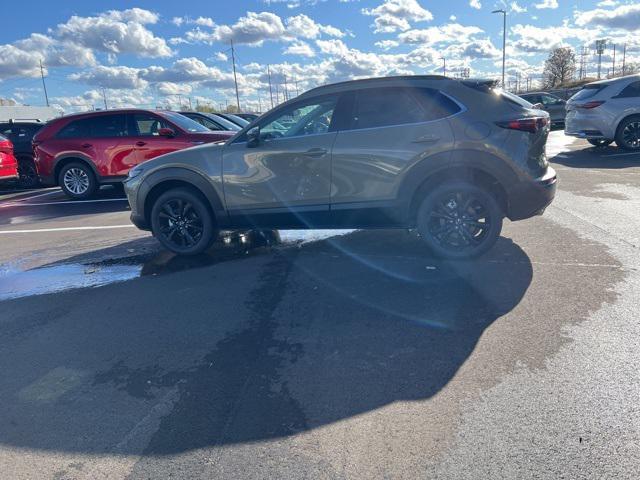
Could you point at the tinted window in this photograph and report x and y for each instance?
(631, 90)
(588, 91)
(308, 118)
(104, 126)
(382, 107)
(550, 100)
(19, 133)
(148, 125)
(76, 129)
(204, 121)
(185, 123)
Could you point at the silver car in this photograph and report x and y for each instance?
(605, 111)
(450, 158)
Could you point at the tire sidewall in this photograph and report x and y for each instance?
(209, 232)
(488, 200)
(619, 140)
(93, 184)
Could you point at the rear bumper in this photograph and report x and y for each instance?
(587, 126)
(532, 197)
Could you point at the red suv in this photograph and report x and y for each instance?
(8, 163)
(81, 152)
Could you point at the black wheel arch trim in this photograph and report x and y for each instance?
(196, 179)
(78, 157)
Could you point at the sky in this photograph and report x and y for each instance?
(159, 53)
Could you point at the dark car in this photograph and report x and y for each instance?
(451, 158)
(249, 117)
(80, 152)
(212, 121)
(8, 163)
(21, 133)
(241, 122)
(549, 103)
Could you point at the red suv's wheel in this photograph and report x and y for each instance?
(77, 180)
(181, 221)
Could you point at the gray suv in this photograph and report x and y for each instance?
(450, 158)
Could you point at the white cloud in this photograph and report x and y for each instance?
(115, 32)
(626, 17)
(516, 8)
(253, 29)
(302, 26)
(547, 4)
(393, 15)
(170, 88)
(452, 32)
(300, 48)
(387, 44)
(221, 56)
(532, 39)
(116, 77)
(475, 4)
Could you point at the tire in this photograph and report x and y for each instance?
(182, 222)
(459, 220)
(77, 181)
(599, 143)
(628, 133)
(28, 175)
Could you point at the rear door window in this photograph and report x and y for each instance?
(389, 106)
(631, 90)
(148, 125)
(106, 126)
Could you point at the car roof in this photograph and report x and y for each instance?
(351, 84)
(609, 81)
(115, 110)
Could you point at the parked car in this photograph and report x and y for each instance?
(249, 117)
(451, 158)
(80, 152)
(8, 162)
(21, 133)
(605, 111)
(549, 103)
(241, 122)
(212, 121)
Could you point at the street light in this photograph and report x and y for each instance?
(504, 39)
(444, 66)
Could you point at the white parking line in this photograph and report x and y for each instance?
(65, 229)
(66, 202)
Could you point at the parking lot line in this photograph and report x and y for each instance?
(65, 229)
(66, 202)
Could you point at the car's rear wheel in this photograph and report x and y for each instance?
(77, 181)
(600, 142)
(181, 221)
(459, 220)
(27, 173)
(628, 134)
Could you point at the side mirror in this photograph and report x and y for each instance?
(538, 106)
(166, 132)
(253, 137)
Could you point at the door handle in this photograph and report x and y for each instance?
(316, 152)
(141, 143)
(427, 139)
(86, 145)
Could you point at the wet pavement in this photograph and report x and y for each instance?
(324, 354)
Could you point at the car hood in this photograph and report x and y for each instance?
(211, 136)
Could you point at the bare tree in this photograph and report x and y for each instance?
(560, 67)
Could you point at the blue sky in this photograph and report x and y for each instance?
(153, 53)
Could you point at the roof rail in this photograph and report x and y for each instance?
(382, 79)
(14, 120)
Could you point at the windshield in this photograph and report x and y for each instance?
(223, 121)
(186, 123)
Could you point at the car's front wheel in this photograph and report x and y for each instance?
(181, 221)
(459, 220)
(77, 181)
(628, 134)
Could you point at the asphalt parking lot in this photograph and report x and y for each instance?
(328, 354)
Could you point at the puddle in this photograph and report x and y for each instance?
(16, 282)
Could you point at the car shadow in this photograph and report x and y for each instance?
(598, 157)
(258, 346)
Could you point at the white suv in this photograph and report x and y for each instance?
(605, 111)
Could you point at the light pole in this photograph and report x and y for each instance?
(444, 66)
(504, 39)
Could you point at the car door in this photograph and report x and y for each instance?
(284, 179)
(147, 139)
(390, 130)
(109, 142)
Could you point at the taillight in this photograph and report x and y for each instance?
(589, 105)
(6, 146)
(531, 125)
